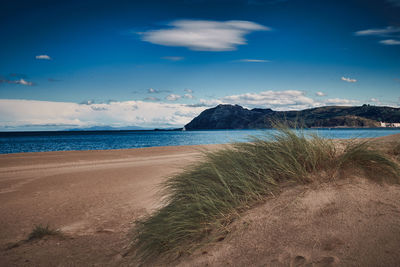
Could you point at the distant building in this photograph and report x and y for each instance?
(390, 124)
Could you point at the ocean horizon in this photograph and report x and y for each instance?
(42, 141)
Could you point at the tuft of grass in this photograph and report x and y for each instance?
(205, 197)
(40, 231)
(374, 163)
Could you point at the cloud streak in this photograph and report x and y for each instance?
(173, 58)
(20, 81)
(155, 91)
(172, 97)
(253, 60)
(349, 80)
(45, 57)
(204, 35)
(390, 42)
(390, 31)
(379, 32)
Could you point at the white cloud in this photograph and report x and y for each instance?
(20, 81)
(276, 100)
(155, 91)
(279, 100)
(19, 113)
(390, 42)
(207, 103)
(24, 82)
(340, 101)
(43, 57)
(379, 32)
(349, 80)
(173, 58)
(172, 97)
(253, 60)
(190, 91)
(203, 35)
(188, 96)
(16, 114)
(375, 101)
(320, 94)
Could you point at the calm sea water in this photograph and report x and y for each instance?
(15, 142)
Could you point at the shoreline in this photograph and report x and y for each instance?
(101, 150)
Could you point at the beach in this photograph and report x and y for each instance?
(92, 197)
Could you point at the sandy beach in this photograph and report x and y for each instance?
(93, 197)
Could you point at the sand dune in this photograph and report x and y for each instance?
(350, 223)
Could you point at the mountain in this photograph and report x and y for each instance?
(237, 117)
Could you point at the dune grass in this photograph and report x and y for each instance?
(40, 231)
(205, 197)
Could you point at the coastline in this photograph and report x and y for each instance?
(93, 197)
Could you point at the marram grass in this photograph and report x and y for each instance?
(205, 196)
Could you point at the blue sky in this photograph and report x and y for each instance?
(160, 63)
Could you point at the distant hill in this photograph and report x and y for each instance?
(109, 128)
(237, 117)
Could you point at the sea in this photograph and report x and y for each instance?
(17, 142)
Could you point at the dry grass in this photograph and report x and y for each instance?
(40, 231)
(205, 197)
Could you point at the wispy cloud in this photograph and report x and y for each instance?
(390, 42)
(388, 32)
(375, 101)
(173, 58)
(188, 96)
(253, 60)
(379, 32)
(204, 35)
(349, 80)
(46, 57)
(156, 91)
(20, 81)
(340, 101)
(190, 91)
(172, 97)
(320, 94)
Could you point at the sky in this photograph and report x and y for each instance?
(78, 64)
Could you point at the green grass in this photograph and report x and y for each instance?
(205, 197)
(40, 231)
